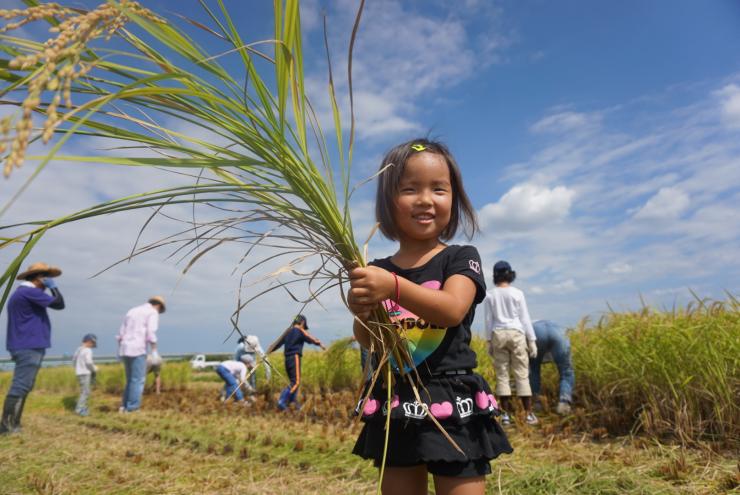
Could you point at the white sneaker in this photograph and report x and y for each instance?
(532, 419)
(505, 419)
(563, 408)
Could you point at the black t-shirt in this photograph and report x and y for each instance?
(435, 348)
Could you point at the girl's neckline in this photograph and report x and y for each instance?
(390, 259)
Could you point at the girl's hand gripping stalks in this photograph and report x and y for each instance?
(369, 286)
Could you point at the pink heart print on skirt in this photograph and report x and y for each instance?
(441, 411)
(370, 407)
(483, 400)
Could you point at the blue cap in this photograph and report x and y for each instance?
(301, 319)
(91, 337)
(502, 266)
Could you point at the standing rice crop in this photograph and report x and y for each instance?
(337, 368)
(670, 374)
(110, 378)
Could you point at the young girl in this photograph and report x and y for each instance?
(430, 290)
(510, 338)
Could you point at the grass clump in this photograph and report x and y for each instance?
(337, 368)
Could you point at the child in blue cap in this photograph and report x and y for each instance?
(84, 369)
(293, 338)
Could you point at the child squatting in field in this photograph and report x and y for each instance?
(432, 289)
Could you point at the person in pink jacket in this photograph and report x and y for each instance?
(138, 329)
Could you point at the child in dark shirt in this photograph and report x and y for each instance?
(293, 339)
(429, 290)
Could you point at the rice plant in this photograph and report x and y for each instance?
(672, 374)
(260, 178)
(110, 378)
(337, 368)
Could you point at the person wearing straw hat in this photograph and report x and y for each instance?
(29, 335)
(138, 329)
(293, 338)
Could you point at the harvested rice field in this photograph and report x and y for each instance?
(188, 442)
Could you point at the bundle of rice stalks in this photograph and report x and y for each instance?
(259, 176)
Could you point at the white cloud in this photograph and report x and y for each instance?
(566, 121)
(618, 268)
(657, 195)
(568, 285)
(377, 115)
(527, 206)
(668, 203)
(310, 15)
(730, 104)
(671, 291)
(403, 55)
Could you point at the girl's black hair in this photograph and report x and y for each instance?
(502, 276)
(393, 166)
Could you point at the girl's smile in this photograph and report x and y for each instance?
(423, 205)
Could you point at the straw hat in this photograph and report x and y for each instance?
(36, 268)
(158, 300)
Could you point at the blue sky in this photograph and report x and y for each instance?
(599, 142)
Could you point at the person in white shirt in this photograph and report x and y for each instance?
(234, 375)
(138, 329)
(511, 340)
(84, 369)
(247, 350)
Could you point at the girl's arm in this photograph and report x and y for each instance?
(445, 307)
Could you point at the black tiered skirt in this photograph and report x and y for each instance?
(463, 404)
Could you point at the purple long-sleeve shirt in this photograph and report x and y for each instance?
(28, 322)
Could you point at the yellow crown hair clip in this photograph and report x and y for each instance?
(418, 147)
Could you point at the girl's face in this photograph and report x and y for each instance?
(424, 202)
